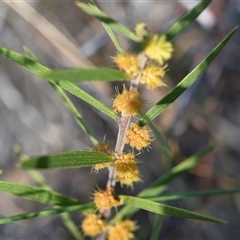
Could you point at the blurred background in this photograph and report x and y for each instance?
(32, 115)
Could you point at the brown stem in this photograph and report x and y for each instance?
(123, 123)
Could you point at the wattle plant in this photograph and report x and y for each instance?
(146, 67)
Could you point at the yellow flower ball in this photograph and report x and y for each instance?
(128, 103)
(159, 49)
(93, 225)
(105, 199)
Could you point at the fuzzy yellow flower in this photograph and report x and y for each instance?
(105, 199)
(122, 230)
(159, 49)
(127, 170)
(128, 63)
(138, 137)
(152, 76)
(93, 225)
(128, 103)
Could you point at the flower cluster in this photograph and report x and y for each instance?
(94, 225)
(159, 49)
(128, 103)
(128, 63)
(147, 68)
(105, 199)
(127, 170)
(138, 137)
(152, 76)
(122, 230)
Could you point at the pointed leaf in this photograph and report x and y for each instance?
(68, 103)
(104, 18)
(186, 19)
(161, 184)
(165, 209)
(66, 160)
(39, 69)
(71, 226)
(157, 226)
(37, 194)
(85, 75)
(49, 212)
(187, 81)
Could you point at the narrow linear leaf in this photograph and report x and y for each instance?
(65, 160)
(78, 92)
(112, 37)
(68, 103)
(157, 226)
(84, 75)
(45, 213)
(37, 194)
(66, 218)
(193, 194)
(71, 226)
(161, 184)
(104, 18)
(39, 69)
(186, 19)
(34, 66)
(108, 29)
(166, 209)
(187, 81)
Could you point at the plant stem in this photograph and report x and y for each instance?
(124, 122)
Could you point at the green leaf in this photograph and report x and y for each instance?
(78, 92)
(66, 160)
(157, 226)
(104, 18)
(187, 81)
(37, 194)
(113, 37)
(49, 212)
(186, 20)
(71, 226)
(161, 184)
(108, 29)
(68, 103)
(193, 194)
(85, 75)
(39, 69)
(165, 209)
(66, 218)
